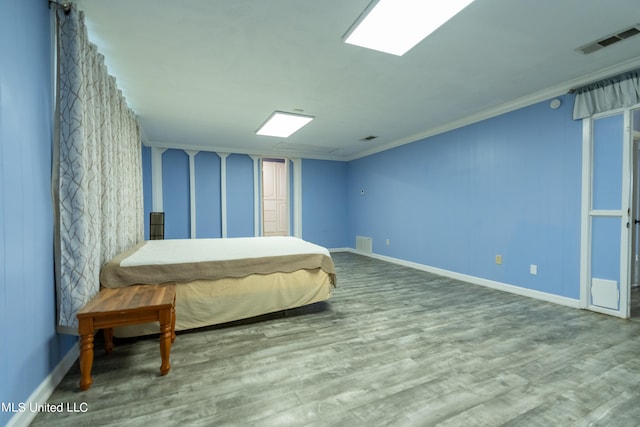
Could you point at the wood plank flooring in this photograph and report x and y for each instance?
(394, 346)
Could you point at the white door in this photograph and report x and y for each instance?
(275, 198)
(606, 215)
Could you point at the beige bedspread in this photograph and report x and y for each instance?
(161, 264)
(204, 302)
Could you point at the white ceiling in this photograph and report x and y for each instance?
(205, 74)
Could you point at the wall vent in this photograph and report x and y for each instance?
(364, 244)
(608, 41)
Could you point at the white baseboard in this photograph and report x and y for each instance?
(41, 394)
(531, 293)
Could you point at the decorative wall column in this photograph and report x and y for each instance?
(223, 192)
(156, 179)
(192, 190)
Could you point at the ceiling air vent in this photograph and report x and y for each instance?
(608, 41)
(368, 138)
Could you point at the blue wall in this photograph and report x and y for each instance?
(507, 186)
(175, 194)
(30, 348)
(240, 196)
(324, 197)
(208, 213)
(324, 203)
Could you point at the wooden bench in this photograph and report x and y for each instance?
(121, 307)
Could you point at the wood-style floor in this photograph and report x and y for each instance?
(394, 346)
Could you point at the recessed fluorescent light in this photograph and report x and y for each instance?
(283, 124)
(395, 26)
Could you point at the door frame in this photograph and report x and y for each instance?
(288, 190)
(295, 194)
(624, 214)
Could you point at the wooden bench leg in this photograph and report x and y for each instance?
(173, 321)
(86, 360)
(165, 340)
(108, 339)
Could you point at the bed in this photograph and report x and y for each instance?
(222, 280)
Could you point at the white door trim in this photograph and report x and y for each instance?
(627, 200)
(287, 177)
(257, 195)
(585, 226)
(297, 197)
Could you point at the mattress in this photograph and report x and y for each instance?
(185, 260)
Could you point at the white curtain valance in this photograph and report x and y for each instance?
(609, 94)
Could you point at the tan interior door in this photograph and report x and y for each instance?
(275, 199)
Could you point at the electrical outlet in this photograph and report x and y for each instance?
(498, 259)
(388, 242)
(533, 269)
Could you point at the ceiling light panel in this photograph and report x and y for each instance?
(283, 124)
(395, 26)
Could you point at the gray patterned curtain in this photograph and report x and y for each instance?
(608, 94)
(97, 170)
